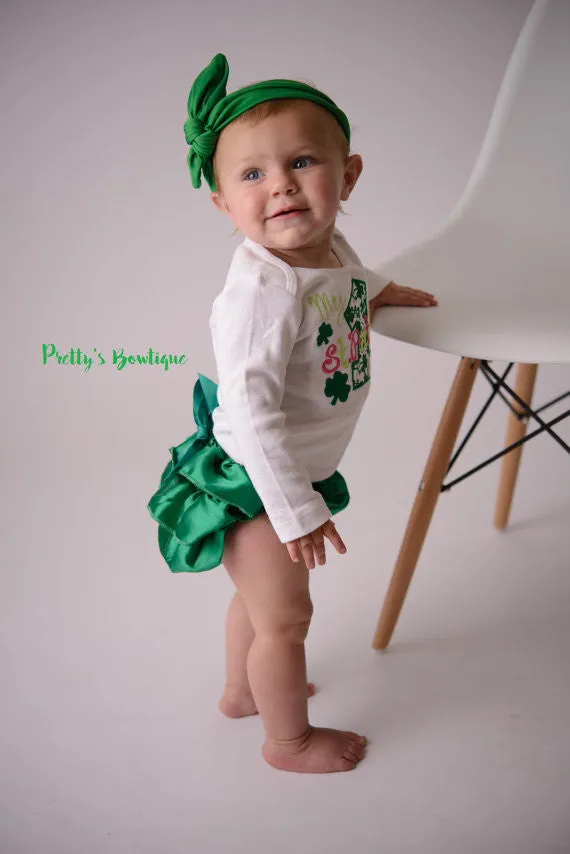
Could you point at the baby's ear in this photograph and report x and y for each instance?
(219, 201)
(353, 170)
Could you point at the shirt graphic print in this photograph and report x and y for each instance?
(343, 338)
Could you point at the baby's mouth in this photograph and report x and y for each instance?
(289, 213)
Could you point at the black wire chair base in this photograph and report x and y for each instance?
(499, 386)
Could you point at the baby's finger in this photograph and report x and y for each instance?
(307, 551)
(418, 299)
(319, 547)
(330, 531)
(293, 551)
(425, 296)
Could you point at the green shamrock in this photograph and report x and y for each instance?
(337, 387)
(325, 332)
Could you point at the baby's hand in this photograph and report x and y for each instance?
(394, 294)
(313, 544)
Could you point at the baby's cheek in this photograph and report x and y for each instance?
(326, 191)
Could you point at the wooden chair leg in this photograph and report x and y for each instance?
(426, 499)
(516, 429)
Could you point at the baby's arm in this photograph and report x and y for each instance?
(254, 328)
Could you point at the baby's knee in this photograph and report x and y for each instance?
(297, 632)
(294, 626)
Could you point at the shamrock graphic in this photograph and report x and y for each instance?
(355, 315)
(357, 304)
(325, 332)
(337, 387)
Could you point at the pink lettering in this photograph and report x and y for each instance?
(332, 362)
(354, 338)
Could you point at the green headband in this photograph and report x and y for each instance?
(210, 109)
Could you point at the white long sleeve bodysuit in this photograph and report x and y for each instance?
(293, 358)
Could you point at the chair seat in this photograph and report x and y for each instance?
(488, 284)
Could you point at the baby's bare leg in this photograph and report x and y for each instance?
(237, 700)
(275, 591)
(239, 637)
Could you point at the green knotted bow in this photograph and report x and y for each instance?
(210, 109)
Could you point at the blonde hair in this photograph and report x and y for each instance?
(273, 108)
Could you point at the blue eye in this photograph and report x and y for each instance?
(306, 159)
(251, 171)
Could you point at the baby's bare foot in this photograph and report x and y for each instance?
(318, 751)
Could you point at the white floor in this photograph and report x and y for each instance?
(111, 737)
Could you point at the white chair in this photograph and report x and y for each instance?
(501, 270)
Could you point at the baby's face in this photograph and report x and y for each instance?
(289, 160)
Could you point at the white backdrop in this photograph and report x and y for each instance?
(105, 244)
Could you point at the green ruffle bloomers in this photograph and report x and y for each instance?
(203, 492)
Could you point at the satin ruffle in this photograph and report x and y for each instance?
(203, 492)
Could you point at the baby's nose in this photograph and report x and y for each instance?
(284, 181)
